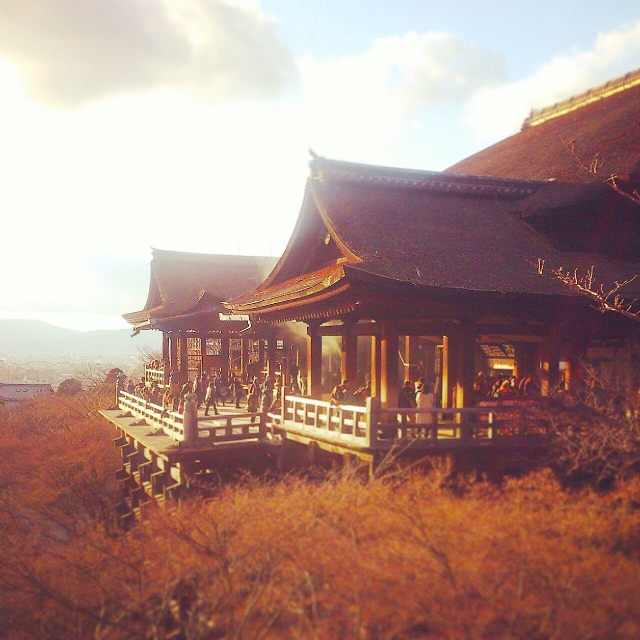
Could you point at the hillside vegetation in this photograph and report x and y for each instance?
(404, 556)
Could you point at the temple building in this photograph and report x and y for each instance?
(438, 274)
(200, 336)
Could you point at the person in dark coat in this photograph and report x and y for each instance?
(407, 398)
(210, 399)
(238, 391)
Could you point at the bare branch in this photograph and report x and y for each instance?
(604, 299)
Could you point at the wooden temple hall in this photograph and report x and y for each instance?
(436, 275)
(200, 336)
(395, 274)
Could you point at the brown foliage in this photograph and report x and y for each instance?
(597, 428)
(397, 557)
(347, 559)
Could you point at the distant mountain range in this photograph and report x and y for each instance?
(34, 337)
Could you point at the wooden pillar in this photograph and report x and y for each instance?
(271, 354)
(224, 355)
(260, 355)
(184, 365)
(389, 384)
(550, 361)
(524, 360)
(349, 356)
(464, 362)
(203, 349)
(173, 352)
(245, 347)
(165, 347)
(375, 365)
(406, 357)
(165, 358)
(314, 362)
(444, 374)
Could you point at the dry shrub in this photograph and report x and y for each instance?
(399, 556)
(58, 464)
(597, 429)
(345, 558)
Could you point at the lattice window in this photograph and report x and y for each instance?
(194, 346)
(193, 363)
(254, 351)
(214, 346)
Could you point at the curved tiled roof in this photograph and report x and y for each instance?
(608, 127)
(445, 239)
(193, 283)
(429, 231)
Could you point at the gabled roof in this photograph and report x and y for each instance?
(604, 122)
(431, 231)
(15, 392)
(196, 284)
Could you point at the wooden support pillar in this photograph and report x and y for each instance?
(184, 365)
(272, 360)
(445, 377)
(245, 348)
(203, 349)
(165, 347)
(224, 356)
(314, 362)
(524, 360)
(260, 355)
(165, 358)
(550, 361)
(375, 366)
(173, 352)
(389, 384)
(465, 344)
(349, 356)
(405, 344)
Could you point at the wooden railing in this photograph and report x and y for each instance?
(154, 375)
(171, 422)
(356, 427)
(232, 427)
(376, 428)
(218, 429)
(319, 419)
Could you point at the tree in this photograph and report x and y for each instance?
(70, 387)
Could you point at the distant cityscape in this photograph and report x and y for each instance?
(55, 369)
(35, 352)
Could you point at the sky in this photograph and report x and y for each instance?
(186, 124)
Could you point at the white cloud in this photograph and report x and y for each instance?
(360, 102)
(496, 112)
(73, 52)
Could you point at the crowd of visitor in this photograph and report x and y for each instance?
(210, 392)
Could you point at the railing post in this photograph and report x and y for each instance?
(465, 425)
(372, 407)
(190, 420)
(283, 409)
(118, 390)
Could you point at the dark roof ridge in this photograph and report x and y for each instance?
(323, 169)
